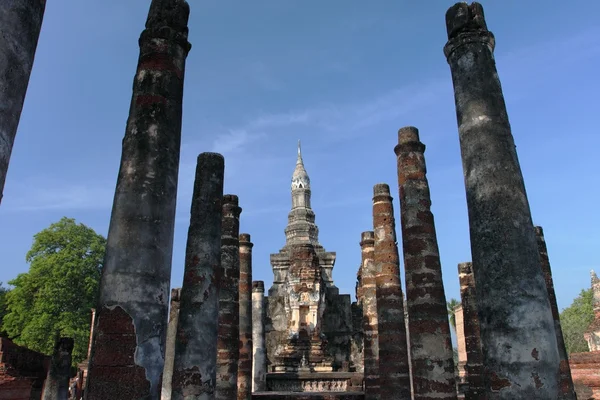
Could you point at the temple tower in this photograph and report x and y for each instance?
(302, 272)
(308, 324)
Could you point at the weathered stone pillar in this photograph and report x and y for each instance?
(394, 380)
(89, 352)
(474, 366)
(566, 389)
(228, 343)
(131, 322)
(56, 386)
(245, 363)
(518, 340)
(194, 370)
(369, 305)
(259, 349)
(20, 25)
(170, 346)
(430, 343)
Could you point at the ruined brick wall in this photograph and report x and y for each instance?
(22, 372)
(585, 370)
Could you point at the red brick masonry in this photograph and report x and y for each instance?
(22, 371)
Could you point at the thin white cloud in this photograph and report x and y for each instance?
(34, 196)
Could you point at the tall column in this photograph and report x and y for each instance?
(369, 303)
(259, 349)
(91, 333)
(56, 386)
(131, 322)
(194, 369)
(228, 345)
(474, 366)
(565, 383)
(394, 379)
(429, 330)
(170, 346)
(20, 25)
(245, 362)
(519, 344)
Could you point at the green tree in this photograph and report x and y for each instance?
(3, 292)
(452, 304)
(58, 292)
(574, 321)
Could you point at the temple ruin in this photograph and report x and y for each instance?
(225, 339)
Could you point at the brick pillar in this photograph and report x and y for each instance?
(228, 343)
(245, 363)
(170, 346)
(369, 303)
(429, 329)
(194, 370)
(259, 349)
(519, 344)
(474, 366)
(566, 389)
(56, 386)
(131, 321)
(20, 25)
(394, 377)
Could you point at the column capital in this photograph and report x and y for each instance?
(465, 24)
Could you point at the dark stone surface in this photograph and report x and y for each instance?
(20, 25)
(244, 381)
(194, 370)
(137, 268)
(474, 366)
(394, 379)
(369, 321)
(566, 389)
(56, 386)
(429, 330)
(228, 338)
(517, 328)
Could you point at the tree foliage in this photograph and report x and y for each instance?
(58, 292)
(574, 321)
(452, 304)
(3, 292)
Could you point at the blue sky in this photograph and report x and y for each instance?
(342, 76)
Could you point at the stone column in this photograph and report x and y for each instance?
(394, 380)
(259, 349)
(91, 333)
(429, 329)
(20, 25)
(170, 346)
(369, 304)
(56, 386)
(131, 321)
(565, 383)
(194, 369)
(461, 346)
(228, 345)
(245, 362)
(518, 340)
(474, 366)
